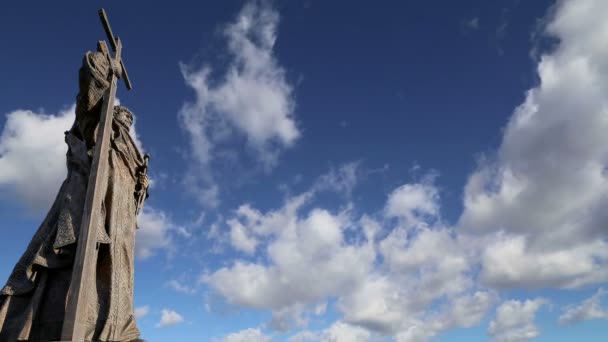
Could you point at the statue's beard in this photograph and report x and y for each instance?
(124, 122)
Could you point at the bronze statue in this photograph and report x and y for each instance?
(75, 279)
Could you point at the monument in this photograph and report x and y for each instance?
(75, 280)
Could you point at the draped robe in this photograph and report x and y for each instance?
(33, 301)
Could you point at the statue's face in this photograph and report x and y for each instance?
(124, 116)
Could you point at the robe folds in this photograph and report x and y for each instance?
(33, 301)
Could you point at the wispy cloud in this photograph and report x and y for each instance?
(591, 308)
(180, 287)
(252, 99)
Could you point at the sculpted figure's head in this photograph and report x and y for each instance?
(123, 116)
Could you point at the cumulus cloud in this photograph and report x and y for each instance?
(313, 241)
(252, 99)
(153, 233)
(514, 320)
(247, 335)
(169, 318)
(142, 311)
(370, 278)
(294, 243)
(32, 155)
(590, 308)
(545, 194)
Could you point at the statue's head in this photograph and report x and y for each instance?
(123, 115)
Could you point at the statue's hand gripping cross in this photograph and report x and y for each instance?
(118, 66)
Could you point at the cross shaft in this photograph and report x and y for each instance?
(75, 327)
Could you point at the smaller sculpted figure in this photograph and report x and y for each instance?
(33, 302)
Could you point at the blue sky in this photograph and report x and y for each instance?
(335, 171)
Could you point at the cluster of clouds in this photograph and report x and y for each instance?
(367, 266)
(533, 218)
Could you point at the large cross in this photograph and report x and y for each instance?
(74, 323)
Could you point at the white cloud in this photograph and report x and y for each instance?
(169, 318)
(514, 321)
(590, 308)
(153, 233)
(313, 242)
(252, 99)
(142, 311)
(247, 335)
(32, 155)
(548, 188)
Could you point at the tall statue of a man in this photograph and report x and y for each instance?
(33, 302)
